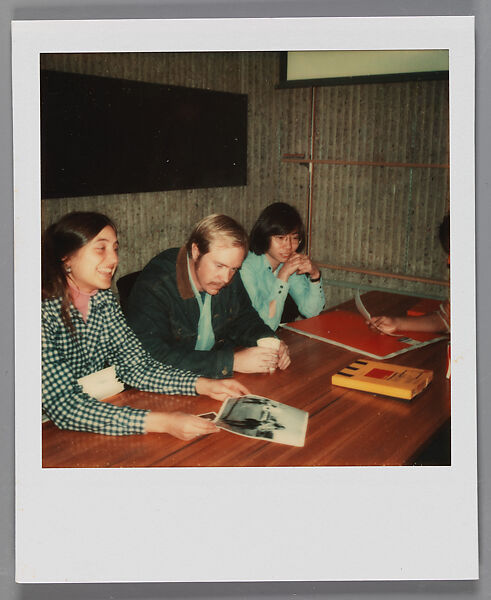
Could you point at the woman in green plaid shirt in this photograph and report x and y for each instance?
(84, 330)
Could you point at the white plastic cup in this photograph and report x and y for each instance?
(270, 342)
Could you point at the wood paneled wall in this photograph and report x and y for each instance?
(382, 218)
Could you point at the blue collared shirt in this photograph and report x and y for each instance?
(205, 339)
(263, 287)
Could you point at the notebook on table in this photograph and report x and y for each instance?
(350, 331)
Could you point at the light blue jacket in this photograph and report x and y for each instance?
(263, 286)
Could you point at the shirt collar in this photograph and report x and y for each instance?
(100, 297)
(75, 292)
(182, 277)
(191, 281)
(268, 266)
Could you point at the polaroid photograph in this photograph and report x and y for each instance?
(333, 161)
(264, 419)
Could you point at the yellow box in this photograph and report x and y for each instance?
(383, 378)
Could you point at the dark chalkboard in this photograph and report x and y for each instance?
(107, 136)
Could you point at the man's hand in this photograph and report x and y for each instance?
(284, 356)
(255, 360)
(220, 389)
(178, 424)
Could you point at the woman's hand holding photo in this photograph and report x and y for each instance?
(178, 424)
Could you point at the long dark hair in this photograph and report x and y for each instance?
(60, 241)
(278, 218)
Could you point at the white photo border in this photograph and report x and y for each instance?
(244, 524)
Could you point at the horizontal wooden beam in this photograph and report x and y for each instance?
(361, 163)
(382, 274)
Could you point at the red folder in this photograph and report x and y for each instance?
(349, 330)
(423, 307)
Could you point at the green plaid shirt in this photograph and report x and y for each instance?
(104, 340)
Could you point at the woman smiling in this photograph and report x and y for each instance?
(84, 331)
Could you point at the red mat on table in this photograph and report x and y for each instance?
(349, 330)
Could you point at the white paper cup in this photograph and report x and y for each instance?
(270, 342)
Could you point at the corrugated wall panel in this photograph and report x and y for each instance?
(293, 137)
(382, 218)
(213, 70)
(391, 122)
(151, 222)
(371, 217)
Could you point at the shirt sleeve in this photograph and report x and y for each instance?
(66, 404)
(264, 287)
(136, 367)
(308, 295)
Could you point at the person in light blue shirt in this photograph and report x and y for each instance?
(275, 267)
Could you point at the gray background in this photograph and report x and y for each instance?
(113, 9)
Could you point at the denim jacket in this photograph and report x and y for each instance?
(164, 314)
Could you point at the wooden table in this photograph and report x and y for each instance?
(345, 427)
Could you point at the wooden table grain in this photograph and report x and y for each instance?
(345, 427)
